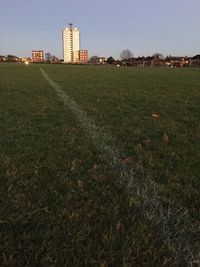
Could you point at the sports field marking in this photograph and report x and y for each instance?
(173, 225)
(99, 138)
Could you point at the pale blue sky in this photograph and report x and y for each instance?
(170, 27)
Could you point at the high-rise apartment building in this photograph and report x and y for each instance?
(37, 56)
(71, 44)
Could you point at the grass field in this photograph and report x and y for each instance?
(88, 176)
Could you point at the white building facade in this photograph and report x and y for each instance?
(71, 44)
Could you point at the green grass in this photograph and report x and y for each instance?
(61, 203)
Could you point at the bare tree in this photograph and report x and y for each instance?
(126, 54)
(158, 55)
(48, 57)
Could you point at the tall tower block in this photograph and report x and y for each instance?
(71, 44)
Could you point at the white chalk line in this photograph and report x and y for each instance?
(134, 181)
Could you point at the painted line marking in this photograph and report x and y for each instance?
(136, 183)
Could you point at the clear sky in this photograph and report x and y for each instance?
(170, 27)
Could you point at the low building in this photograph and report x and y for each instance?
(150, 61)
(12, 58)
(37, 56)
(25, 59)
(176, 62)
(128, 62)
(195, 61)
(83, 56)
(2, 59)
(96, 60)
(139, 62)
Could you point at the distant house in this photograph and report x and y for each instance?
(128, 62)
(139, 62)
(152, 61)
(102, 60)
(25, 59)
(2, 58)
(148, 61)
(177, 61)
(12, 58)
(195, 61)
(96, 60)
(37, 56)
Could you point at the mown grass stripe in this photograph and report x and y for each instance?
(173, 225)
